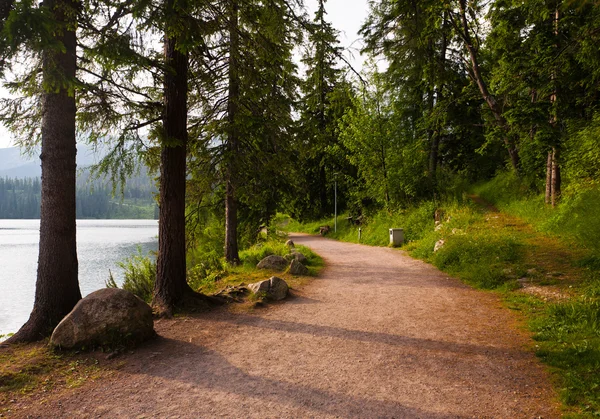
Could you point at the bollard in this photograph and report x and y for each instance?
(359, 233)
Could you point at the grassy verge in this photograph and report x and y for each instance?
(552, 278)
(210, 278)
(208, 273)
(29, 373)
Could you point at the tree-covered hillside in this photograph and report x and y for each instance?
(20, 199)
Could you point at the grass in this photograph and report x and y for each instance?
(35, 370)
(555, 252)
(208, 273)
(213, 281)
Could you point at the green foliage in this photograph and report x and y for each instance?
(568, 337)
(140, 275)
(204, 267)
(582, 155)
(576, 216)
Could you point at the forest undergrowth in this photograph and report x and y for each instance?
(544, 262)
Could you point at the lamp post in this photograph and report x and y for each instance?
(335, 202)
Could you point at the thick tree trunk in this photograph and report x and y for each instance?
(490, 100)
(57, 287)
(232, 147)
(171, 285)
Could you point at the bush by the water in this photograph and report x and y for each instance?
(140, 275)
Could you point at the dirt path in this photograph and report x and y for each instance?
(378, 335)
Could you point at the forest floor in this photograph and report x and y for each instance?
(378, 334)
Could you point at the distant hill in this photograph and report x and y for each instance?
(15, 165)
(20, 189)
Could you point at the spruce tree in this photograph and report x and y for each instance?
(57, 286)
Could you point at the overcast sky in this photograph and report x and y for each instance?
(346, 15)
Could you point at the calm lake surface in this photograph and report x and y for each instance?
(100, 245)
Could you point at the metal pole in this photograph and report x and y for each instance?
(335, 204)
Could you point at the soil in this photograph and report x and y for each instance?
(377, 335)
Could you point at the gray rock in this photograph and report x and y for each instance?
(439, 244)
(109, 316)
(297, 256)
(273, 262)
(275, 288)
(296, 268)
(289, 243)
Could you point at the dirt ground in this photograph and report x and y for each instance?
(377, 335)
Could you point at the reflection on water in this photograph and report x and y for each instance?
(100, 245)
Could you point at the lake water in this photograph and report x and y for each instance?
(100, 245)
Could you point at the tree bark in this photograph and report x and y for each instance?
(435, 143)
(556, 177)
(553, 178)
(548, 196)
(57, 287)
(232, 147)
(490, 100)
(171, 285)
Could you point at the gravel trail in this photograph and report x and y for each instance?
(377, 335)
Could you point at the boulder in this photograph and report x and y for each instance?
(275, 288)
(297, 256)
(296, 268)
(289, 243)
(273, 262)
(109, 316)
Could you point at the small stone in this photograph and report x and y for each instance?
(273, 262)
(289, 243)
(439, 244)
(275, 288)
(297, 268)
(297, 256)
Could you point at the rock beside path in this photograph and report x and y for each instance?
(289, 243)
(273, 262)
(296, 256)
(297, 268)
(275, 288)
(109, 316)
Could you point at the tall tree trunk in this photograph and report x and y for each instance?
(57, 287)
(553, 178)
(435, 143)
(556, 177)
(171, 286)
(490, 100)
(548, 196)
(232, 148)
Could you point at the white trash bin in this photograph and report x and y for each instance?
(396, 236)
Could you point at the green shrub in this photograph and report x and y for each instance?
(139, 273)
(204, 267)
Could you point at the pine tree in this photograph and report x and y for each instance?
(57, 287)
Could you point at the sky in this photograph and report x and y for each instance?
(345, 15)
